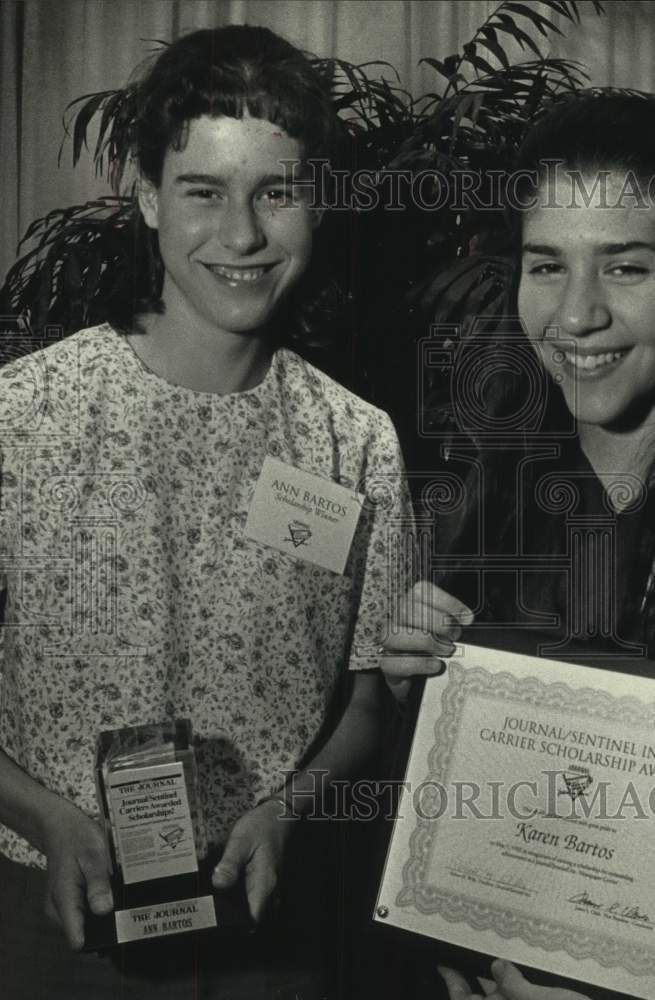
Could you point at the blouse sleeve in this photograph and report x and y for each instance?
(384, 559)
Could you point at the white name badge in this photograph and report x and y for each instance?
(303, 515)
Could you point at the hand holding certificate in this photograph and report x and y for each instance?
(523, 829)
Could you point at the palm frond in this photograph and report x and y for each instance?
(72, 258)
(513, 19)
(473, 117)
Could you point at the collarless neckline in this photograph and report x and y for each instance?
(147, 374)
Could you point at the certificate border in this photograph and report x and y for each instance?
(638, 959)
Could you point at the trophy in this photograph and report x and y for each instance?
(147, 785)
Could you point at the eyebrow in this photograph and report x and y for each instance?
(606, 249)
(215, 180)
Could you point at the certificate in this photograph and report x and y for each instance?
(526, 829)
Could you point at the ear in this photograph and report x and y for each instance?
(148, 202)
(317, 217)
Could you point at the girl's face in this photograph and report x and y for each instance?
(587, 298)
(232, 238)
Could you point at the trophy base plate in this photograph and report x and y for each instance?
(165, 910)
(142, 923)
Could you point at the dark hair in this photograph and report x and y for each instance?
(595, 130)
(233, 71)
(229, 72)
(588, 133)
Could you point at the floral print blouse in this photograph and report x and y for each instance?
(132, 592)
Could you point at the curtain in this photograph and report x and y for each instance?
(52, 51)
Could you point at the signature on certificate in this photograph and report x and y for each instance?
(627, 912)
(484, 875)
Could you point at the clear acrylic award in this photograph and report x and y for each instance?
(147, 785)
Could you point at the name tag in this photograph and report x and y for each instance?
(303, 515)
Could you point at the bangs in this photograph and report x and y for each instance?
(264, 92)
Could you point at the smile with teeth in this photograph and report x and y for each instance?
(590, 362)
(244, 274)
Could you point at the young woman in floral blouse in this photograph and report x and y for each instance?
(131, 455)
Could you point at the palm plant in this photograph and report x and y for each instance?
(476, 122)
(439, 265)
(450, 265)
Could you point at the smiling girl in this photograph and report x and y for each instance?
(585, 244)
(157, 583)
(235, 238)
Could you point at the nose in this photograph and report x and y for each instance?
(240, 228)
(583, 307)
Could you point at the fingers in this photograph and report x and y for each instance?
(260, 873)
(405, 640)
(76, 880)
(426, 625)
(512, 985)
(256, 848)
(430, 609)
(261, 880)
(95, 868)
(98, 893)
(416, 654)
(398, 669)
(399, 688)
(430, 594)
(235, 857)
(406, 654)
(71, 919)
(65, 905)
(488, 987)
(458, 988)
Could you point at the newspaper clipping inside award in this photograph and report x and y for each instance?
(147, 783)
